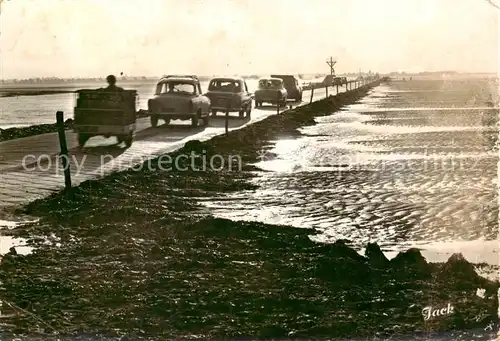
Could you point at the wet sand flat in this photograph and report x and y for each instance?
(395, 177)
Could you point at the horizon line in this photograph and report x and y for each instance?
(249, 75)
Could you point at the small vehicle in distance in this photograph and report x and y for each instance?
(179, 97)
(232, 93)
(292, 86)
(101, 112)
(344, 80)
(270, 90)
(337, 81)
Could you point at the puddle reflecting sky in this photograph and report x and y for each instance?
(6, 242)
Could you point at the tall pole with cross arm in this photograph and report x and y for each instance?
(331, 63)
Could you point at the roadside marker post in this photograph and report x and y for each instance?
(64, 149)
(227, 116)
(312, 93)
(278, 103)
(326, 88)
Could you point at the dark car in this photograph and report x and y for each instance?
(337, 81)
(292, 86)
(270, 90)
(229, 93)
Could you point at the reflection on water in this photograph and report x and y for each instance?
(412, 164)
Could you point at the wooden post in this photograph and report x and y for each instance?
(64, 149)
(337, 89)
(326, 88)
(227, 116)
(278, 102)
(312, 93)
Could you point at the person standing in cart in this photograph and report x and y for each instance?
(112, 84)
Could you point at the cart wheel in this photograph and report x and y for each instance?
(82, 138)
(249, 110)
(194, 121)
(154, 121)
(128, 140)
(205, 121)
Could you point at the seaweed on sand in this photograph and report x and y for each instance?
(19, 132)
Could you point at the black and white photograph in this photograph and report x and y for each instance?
(249, 170)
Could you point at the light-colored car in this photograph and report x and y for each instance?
(230, 93)
(270, 90)
(179, 98)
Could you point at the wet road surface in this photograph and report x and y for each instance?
(29, 169)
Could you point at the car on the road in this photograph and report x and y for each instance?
(271, 90)
(292, 86)
(344, 80)
(337, 81)
(179, 97)
(229, 93)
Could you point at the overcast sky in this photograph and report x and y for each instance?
(68, 38)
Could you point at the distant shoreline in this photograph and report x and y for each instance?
(47, 81)
(17, 90)
(33, 93)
